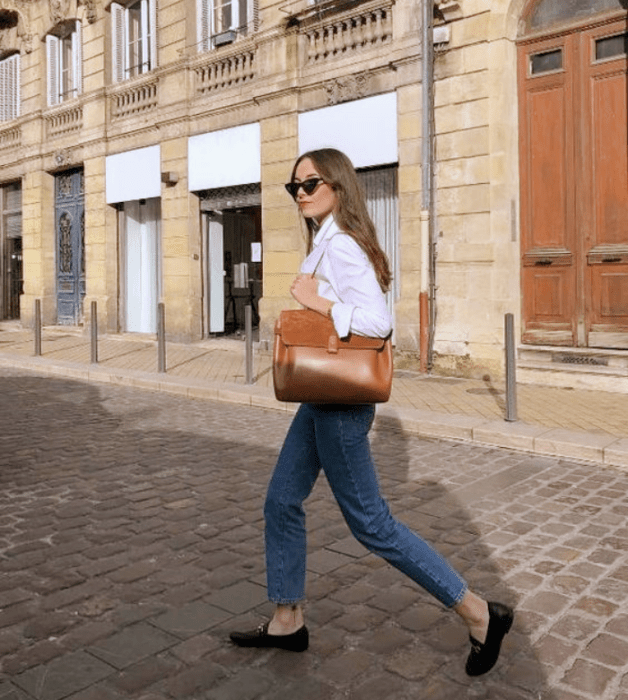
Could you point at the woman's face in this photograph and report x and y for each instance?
(322, 201)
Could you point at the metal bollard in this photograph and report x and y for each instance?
(511, 378)
(248, 331)
(37, 327)
(161, 338)
(94, 333)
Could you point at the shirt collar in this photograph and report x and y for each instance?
(328, 228)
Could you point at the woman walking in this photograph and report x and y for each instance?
(351, 276)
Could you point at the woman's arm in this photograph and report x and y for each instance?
(362, 308)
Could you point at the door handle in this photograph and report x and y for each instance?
(543, 263)
(611, 260)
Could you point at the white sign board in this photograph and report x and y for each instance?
(133, 175)
(366, 130)
(224, 158)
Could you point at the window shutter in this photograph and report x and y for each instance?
(152, 28)
(3, 90)
(118, 42)
(77, 58)
(254, 15)
(203, 12)
(52, 58)
(13, 87)
(146, 33)
(18, 85)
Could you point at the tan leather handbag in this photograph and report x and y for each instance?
(311, 364)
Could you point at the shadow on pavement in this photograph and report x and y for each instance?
(131, 542)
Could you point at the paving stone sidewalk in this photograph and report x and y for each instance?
(131, 543)
(576, 424)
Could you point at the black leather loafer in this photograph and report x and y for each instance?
(297, 641)
(484, 656)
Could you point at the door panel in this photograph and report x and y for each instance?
(216, 273)
(70, 228)
(243, 279)
(11, 268)
(605, 184)
(610, 160)
(547, 202)
(141, 265)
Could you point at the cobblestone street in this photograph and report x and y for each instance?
(131, 543)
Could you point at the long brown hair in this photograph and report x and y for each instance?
(350, 213)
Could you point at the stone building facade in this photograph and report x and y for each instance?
(532, 188)
(149, 142)
(144, 146)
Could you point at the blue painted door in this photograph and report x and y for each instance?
(70, 227)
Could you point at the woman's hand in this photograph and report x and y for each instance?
(305, 290)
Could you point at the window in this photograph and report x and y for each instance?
(220, 21)
(65, 64)
(10, 88)
(546, 62)
(134, 38)
(611, 47)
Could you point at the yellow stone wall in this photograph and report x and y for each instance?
(409, 185)
(284, 241)
(477, 187)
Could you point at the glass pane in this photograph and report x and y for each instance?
(546, 62)
(66, 67)
(243, 20)
(13, 225)
(12, 197)
(549, 12)
(135, 39)
(222, 16)
(611, 46)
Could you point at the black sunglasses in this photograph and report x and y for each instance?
(309, 186)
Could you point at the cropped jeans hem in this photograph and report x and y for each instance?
(463, 592)
(299, 601)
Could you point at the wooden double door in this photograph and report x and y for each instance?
(574, 186)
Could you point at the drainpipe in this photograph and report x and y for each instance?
(427, 291)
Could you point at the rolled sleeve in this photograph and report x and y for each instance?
(341, 315)
(362, 308)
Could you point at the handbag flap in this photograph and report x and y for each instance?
(308, 328)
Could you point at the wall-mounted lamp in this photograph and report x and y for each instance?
(169, 177)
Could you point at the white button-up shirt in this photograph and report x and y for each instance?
(346, 276)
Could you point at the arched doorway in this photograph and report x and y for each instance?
(572, 64)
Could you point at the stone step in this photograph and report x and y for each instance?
(581, 368)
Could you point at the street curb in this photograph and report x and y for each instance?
(605, 450)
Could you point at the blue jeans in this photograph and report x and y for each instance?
(335, 439)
